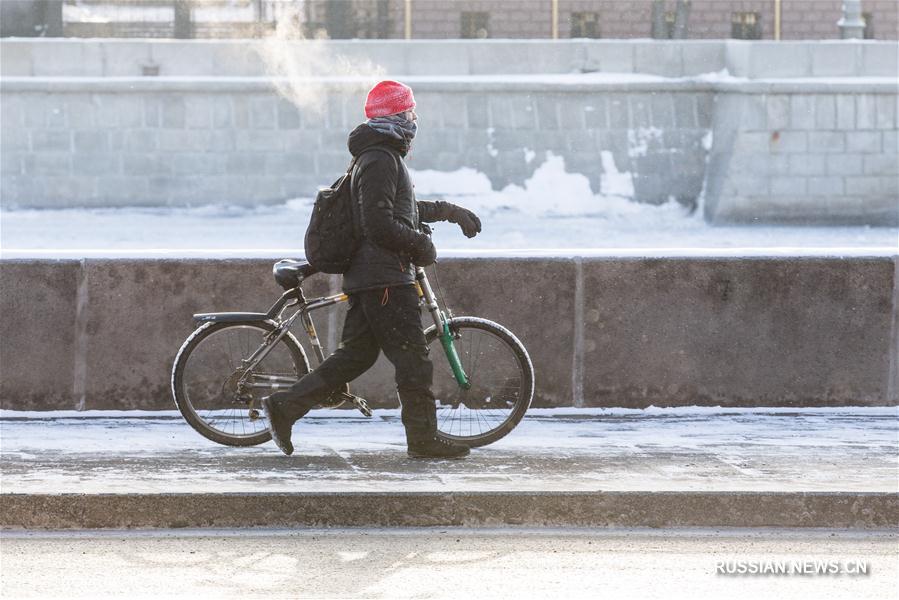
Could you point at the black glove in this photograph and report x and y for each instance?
(467, 221)
(424, 254)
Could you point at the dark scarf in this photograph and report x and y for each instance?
(396, 126)
(364, 136)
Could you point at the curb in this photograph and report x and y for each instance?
(440, 509)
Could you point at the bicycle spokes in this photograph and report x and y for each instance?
(219, 389)
(499, 379)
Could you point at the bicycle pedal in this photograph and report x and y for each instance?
(362, 405)
(358, 402)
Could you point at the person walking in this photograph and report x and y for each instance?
(384, 312)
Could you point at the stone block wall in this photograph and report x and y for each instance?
(791, 156)
(250, 146)
(163, 148)
(46, 58)
(764, 145)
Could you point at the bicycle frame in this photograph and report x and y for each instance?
(305, 307)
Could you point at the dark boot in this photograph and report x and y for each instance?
(422, 440)
(435, 447)
(283, 409)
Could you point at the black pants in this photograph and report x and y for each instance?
(388, 319)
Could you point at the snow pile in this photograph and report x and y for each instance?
(615, 183)
(463, 182)
(551, 191)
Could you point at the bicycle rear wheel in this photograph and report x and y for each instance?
(501, 376)
(212, 389)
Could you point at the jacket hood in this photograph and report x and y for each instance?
(363, 137)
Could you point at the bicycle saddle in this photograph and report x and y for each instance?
(289, 273)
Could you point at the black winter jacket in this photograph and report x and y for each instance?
(387, 215)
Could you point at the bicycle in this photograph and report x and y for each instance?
(234, 359)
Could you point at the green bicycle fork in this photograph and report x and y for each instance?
(446, 338)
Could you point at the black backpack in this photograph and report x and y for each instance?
(332, 236)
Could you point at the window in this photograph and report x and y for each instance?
(475, 25)
(868, 18)
(584, 25)
(373, 20)
(746, 26)
(670, 18)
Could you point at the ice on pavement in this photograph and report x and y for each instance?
(685, 448)
(554, 212)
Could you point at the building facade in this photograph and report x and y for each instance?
(706, 19)
(446, 19)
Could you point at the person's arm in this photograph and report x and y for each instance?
(430, 212)
(377, 180)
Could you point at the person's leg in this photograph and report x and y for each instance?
(358, 351)
(394, 317)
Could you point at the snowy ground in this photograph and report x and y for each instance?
(450, 563)
(674, 449)
(553, 213)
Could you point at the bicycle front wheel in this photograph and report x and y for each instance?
(213, 389)
(501, 377)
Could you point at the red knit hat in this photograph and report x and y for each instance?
(388, 98)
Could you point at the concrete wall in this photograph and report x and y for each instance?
(766, 146)
(827, 153)
(610, 332)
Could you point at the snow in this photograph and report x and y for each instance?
(575, 78)
(718, 76)
(553, 213)
(491, 149)
(684, 448)
(614, 182)
(550, 191)
(618, 227)
(565, 411)
(464, 182)
(641, 138)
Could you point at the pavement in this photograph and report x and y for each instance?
(451, 563)
(809, 467)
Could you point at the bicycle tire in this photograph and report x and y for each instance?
(182, 399)
(516, 354)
